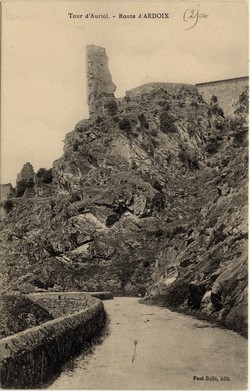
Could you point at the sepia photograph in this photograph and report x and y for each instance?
(124, 195)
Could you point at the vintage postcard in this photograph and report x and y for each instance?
(124, 195)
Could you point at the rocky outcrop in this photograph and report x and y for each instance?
(6, 191)
(25, 181)
(202, 268)
(27, 173)
(148, 199)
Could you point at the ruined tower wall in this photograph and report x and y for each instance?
(100, 87)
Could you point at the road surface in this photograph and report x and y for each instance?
(173, 351)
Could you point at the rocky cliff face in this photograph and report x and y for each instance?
(149, 197)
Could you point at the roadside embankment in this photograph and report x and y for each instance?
(19, 313)
(33, 356)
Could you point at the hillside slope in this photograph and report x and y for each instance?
(149, 198)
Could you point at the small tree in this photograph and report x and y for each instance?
(45, 175)
(243, 102)
(214, 108)
(126, 125)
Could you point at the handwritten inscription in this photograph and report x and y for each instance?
(192, 17)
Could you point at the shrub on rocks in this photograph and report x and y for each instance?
(112, 107)
(45, 175)
(8, 206)
(22, 186)
(167, 124)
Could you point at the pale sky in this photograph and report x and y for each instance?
(43, 62)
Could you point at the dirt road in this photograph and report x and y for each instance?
(173, 351)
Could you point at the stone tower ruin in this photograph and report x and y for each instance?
(100, 88)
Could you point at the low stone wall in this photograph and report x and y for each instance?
(65, 303)
(62, 303)
(30, 358)
(102, 295)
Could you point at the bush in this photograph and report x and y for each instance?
(8, 206)
(112, 107)
(133, 165)
(188, 159)
(167, 124)
(200, 98)
(238, 126)
(76, 146)
(215, 110)
(125, 124)
(214, 99)
(45, 175)
(212, 145)
(236, 123)
(124, 268)
(240, 137)
(158, 233)
(99, 120)
(22, 186)
(243, 103)
(219, 125)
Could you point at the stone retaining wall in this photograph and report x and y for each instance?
(65, 303)
(30, 358)
(62, 303)
(102, 295)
